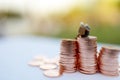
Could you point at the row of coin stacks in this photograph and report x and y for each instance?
(83, 58)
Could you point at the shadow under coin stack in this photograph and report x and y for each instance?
(87, 55)
(68, 55)
(108, 61)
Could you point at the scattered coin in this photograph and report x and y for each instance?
(48, 66)
(36, 63)
(52, 73)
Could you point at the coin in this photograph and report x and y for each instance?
(69, 71)
(52, 73)
(110, 73)
(87, 72)
(48, 66)
(35, 63)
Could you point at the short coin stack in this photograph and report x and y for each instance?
(68, 55)
(108, 61)
(87, 55)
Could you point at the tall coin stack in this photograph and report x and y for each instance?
(68, 55)
(108, 61)
(87, 55)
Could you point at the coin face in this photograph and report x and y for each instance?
(52, 73)
(111, 48)
(35, 63)
(48, 66)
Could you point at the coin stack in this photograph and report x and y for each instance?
(87, 55)
(68, 55)
(108, 61)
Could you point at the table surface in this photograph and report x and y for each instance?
(17, 51)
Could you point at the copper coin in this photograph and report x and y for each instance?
(35, 63)
(66, 71)
(52, 73)
(48, 66)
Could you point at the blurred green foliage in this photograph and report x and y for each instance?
(104, 33)
(107, 33)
